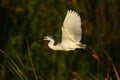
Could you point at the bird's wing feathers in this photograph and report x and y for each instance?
(71, 30)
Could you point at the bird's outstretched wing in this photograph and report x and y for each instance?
(71, 30)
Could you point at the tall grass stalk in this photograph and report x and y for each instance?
(14, 68)
(113, 66)
(33, 69)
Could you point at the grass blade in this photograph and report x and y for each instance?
(33, 69)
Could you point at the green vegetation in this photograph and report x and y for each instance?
(22, 57)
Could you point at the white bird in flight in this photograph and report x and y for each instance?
(71, 34)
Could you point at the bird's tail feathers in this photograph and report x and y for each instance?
(82, 46)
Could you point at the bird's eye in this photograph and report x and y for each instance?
(45, 38)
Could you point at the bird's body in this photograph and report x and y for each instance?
(71, 34)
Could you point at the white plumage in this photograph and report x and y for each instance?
(71, 34)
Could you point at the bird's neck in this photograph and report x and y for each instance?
(51, 45)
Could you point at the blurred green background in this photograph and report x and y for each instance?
(23, 21)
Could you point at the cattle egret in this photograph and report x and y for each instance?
(71, 34)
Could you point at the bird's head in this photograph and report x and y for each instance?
(48, 38)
